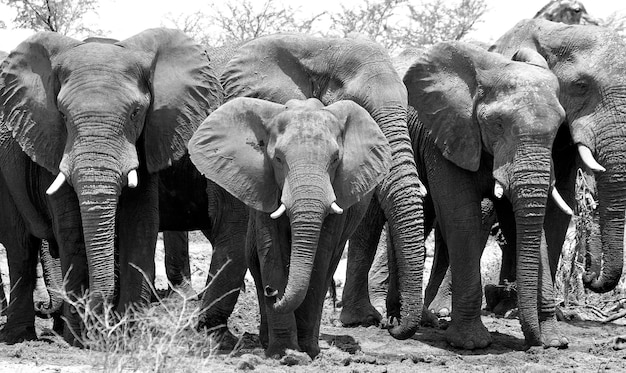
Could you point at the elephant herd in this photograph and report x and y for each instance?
(285, 147)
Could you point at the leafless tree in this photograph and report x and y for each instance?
(62, 16)
(399, 24)
(616, 21)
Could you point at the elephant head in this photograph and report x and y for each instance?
(590, 64)
(94, 113)
(301, 158)
(282, 67)
(484, 111)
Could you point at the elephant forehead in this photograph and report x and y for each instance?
(97, 58)
(304, 126)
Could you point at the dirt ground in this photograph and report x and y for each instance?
(594, 346)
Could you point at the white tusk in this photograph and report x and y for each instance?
(498, 190)
(56, 184)
(561, 202)
(132, 179)
(422, 188)
(588, 160)
(279, 211)
(335, 209)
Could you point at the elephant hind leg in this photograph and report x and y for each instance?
(22, 259)
(356, 306)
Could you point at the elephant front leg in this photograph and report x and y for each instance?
(177, 268)
(465, 245)
(137, 228)
(551, 336)
(356, 306)
(228, 264)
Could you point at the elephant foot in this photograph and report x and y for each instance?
(468, 334)
(442, 304)
(550, 334)
(311, 347)
(12, 334)
(185, 290)
(500, 299)
(363, 314)
(278, 349)
(223, 340)
(429, 319)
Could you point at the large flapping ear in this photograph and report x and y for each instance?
(184, 92)
(366, 153)
(229, 148)
(441, 85)
(28, 95)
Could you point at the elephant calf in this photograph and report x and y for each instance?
(308, 173)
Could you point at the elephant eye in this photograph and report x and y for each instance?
(278, 159)
(63, 118)
(580, 87)
(135, 114)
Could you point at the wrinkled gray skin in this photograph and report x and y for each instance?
(482, 119)
(93, 112)
(320, 164)
(590, 66)
(283, 67)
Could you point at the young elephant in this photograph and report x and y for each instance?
(308, 172)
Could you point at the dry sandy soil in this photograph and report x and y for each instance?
(595, 346)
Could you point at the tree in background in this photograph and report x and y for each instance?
(238, 21)
(62, 16)
(399, 24)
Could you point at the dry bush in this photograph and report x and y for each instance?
(160, 337)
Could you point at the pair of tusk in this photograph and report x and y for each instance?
(56, 184)
(60, 180)
(334, 209)
(588, 160)
(556, 196)
(133, 180)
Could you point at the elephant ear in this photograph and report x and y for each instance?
(229, 148)
(530, 56)
(441, 86)
(184, 92)
(28, 94)
(366, 153)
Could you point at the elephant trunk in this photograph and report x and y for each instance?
(308, 206)
(53, 279)
(612, 207)
(98, 190)
(530, 185)
(401, 199)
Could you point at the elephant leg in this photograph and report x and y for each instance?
(356, 306)
(177, 268)
(438, 293)
(21, 251)
(551, 336)
(137, 229)
(229, 218)
(68, 231)
(3, 299)
(462, 231)
(252, 259)
(330, 247)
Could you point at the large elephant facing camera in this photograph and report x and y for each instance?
(278, 68)
(590, 64)
(103, 118)
(482, 126)
(308, 172)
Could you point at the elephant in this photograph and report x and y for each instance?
(281, 67)
(307, 172)
(86, 128)
(482, 126)
(588, 62)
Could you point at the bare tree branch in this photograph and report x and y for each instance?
(62, 16)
